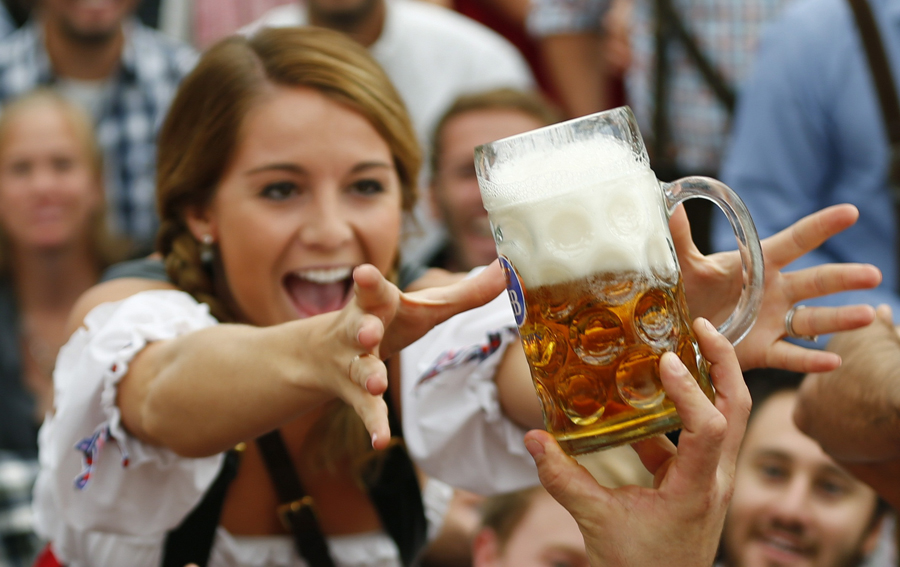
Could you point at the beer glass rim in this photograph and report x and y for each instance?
(622, 115)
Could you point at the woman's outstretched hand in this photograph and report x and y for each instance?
(381, 320)
(681, 518)
(713, 285)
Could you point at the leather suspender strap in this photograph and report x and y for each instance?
(296, 510)
(883, 79)
(715, 80)
(192, 540)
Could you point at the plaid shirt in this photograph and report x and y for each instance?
(18, 543)
(151, 68)
(726, 31)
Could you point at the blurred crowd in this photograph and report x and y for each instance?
(786, 101)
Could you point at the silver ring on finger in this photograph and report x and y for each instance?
(789, 325)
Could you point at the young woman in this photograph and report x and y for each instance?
(53, 247)
(285, 166)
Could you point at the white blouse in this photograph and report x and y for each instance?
(104, 498)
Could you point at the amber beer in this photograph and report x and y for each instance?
(601, 301)
(594, 345)
(581, 227)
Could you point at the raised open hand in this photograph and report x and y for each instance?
(713, 284)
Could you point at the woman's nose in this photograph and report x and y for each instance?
(327, 226)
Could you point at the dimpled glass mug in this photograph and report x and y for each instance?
(581, 227)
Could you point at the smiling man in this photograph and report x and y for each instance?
(793, 505)
(96, 54)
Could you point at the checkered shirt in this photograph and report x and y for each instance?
(151, 68)
(18, 543)
(727, 31)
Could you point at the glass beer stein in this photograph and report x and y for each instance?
(581, 227)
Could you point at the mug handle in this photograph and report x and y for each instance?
(744, 315)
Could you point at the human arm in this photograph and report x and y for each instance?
(201, 392)
(681, 517)
(569, 38)
(713, 284)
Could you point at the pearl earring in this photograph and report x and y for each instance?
(206, 249)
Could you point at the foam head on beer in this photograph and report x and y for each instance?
(594, 207)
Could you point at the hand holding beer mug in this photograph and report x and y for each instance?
(581, 227)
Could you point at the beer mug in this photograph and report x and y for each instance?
(581, 227)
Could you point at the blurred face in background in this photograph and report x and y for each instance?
(454, 188)
(546, 536)
(793, 505)
(49, 186)
(88, 21)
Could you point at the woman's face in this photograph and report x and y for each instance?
(311, 193)
(49, 189)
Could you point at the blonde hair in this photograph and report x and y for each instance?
(108, 249)
(200, 136)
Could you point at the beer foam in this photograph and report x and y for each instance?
(613, 225)
(539, 168)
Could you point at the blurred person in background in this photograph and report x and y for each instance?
(123, 73)
(793, 505)
(473, 120)
(527, 528)
(810, 131)
(686, 61)
(53, 247)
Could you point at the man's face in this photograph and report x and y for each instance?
(90, 21)
(455, 192)
(793, 505)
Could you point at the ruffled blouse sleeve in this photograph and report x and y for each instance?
(453, 425)
(95, 476)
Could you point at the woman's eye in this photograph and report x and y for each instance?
(280, 190)
(368, 187)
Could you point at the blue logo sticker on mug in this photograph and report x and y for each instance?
(514, 289)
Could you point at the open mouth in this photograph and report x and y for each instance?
(318, 291)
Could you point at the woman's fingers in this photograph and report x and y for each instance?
(374, 414)
(829, 278)
(373, 293)
(807, 234)
(795, 358)
(464, 294)
(812, 321)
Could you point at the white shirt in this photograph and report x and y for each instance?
(116, 509)
(433, 56)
